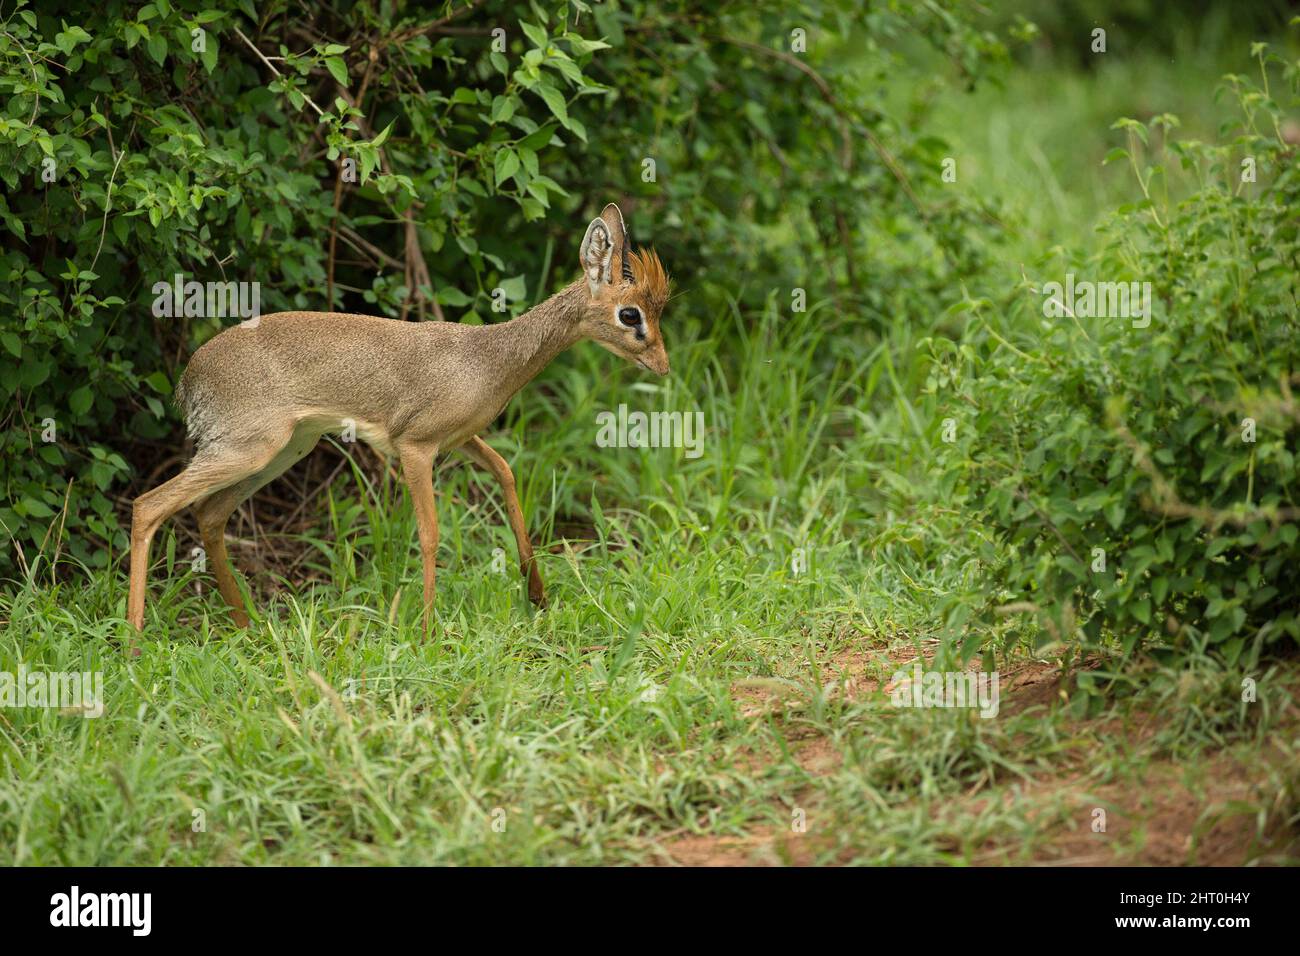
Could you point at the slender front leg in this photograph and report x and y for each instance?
(481, 453)
(417, 469)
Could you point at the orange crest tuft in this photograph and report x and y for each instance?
(651, 280)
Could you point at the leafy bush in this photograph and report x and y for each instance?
(210, 139)
(1142, 478)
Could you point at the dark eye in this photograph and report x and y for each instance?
(629, 316)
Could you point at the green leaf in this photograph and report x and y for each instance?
(159, 383)
(554, 100)
(503, 107)
(536, 35)
(383, 136)
(507, 163)
(537, 189)
(1142, 610)
(157, 47)
(338, 69)
(81, 400)
(516, 288)
(37, 508)
(209, 54)
(580, 45)
(33, 373)
(450, 295)
(529, 160)
(537, 139)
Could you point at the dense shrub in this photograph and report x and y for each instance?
(209, 139)
(1142, 478)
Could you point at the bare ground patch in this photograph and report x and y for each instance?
(1166, 814)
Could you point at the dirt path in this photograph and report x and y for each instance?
(1165, 813)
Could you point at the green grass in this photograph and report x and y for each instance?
(596, 728)
(1034, 142)
(684, 682)
(680, 591)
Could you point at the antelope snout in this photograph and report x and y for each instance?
(656, 360)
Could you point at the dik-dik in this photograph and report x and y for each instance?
(258, 397)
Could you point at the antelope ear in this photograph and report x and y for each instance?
(597, 255)
(613, 218)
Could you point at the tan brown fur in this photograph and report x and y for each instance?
(257, 397)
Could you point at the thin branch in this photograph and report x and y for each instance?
(108, 199)
(261, 56)
(433, 27)
(362, 245)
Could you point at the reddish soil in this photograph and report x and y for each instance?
(1172, 815)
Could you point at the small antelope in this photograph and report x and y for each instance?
(257, 398)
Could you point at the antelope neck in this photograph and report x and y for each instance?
(515, 352)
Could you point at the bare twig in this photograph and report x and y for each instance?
(410, 33)
(108, 201)
(261, 56)
(362, 245)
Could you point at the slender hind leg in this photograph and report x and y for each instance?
(482, 454)
(211, 471)
(214, 512)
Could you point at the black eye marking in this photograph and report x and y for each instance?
(630, 316)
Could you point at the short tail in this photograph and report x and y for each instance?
(189, 400)
(181, 396)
